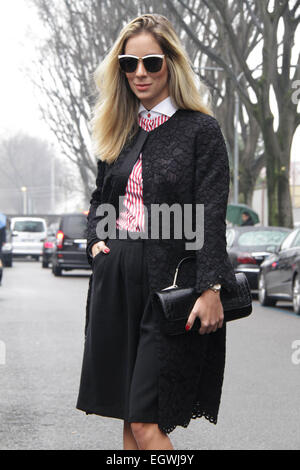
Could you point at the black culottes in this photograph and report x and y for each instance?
(119, 375)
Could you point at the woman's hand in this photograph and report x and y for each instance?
(98, 247)
(208, 307)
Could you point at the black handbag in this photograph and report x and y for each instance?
(175, 304)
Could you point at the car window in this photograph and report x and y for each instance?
(296, 241)
(288, 242)
(229, 237)
(261, 238)
(75, 226)
(29, 226)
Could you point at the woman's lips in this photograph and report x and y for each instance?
(143, 87)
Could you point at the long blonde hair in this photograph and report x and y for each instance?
(115, 116)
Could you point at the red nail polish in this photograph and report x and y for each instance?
(187, 327)
(106, 250)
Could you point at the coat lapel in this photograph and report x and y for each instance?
(117, 174)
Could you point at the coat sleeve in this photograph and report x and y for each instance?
(92, 238)
(92, 218)
(211, 189)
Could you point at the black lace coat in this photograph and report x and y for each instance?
(185, 162)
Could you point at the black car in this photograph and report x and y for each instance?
(48, 245)
(279, 277)
(70, 245)
(248, 247)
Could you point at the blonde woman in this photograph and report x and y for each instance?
(131, 370)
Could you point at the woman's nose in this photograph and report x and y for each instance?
(140, 70)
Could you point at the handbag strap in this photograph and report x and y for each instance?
(178, 266)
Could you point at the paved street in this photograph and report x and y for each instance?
(42, 322)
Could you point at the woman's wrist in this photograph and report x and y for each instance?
(210, 292)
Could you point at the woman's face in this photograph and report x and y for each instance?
(140, 45)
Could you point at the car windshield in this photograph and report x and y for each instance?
(29, 226)
(261, 238)
(75, 226)
(52, 229)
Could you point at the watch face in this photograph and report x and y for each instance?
(217, 287)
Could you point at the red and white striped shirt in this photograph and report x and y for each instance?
(132, 218)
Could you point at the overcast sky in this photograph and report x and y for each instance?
(19, 106)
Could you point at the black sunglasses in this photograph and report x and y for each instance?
(152, 63)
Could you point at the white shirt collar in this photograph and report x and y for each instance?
(165, 107)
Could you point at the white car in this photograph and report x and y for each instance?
(28, 235)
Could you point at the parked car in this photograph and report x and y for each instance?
(70, 246)
(249, 246)
(7, 257)
(279, 276)
(48, 245)
(28, 235)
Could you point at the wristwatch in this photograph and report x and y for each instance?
(215, 287)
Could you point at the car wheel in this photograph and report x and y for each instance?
(263, 297)
(56, 270)
(296, 295)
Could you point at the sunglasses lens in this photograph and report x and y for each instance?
(153, 64)
(128, 64)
